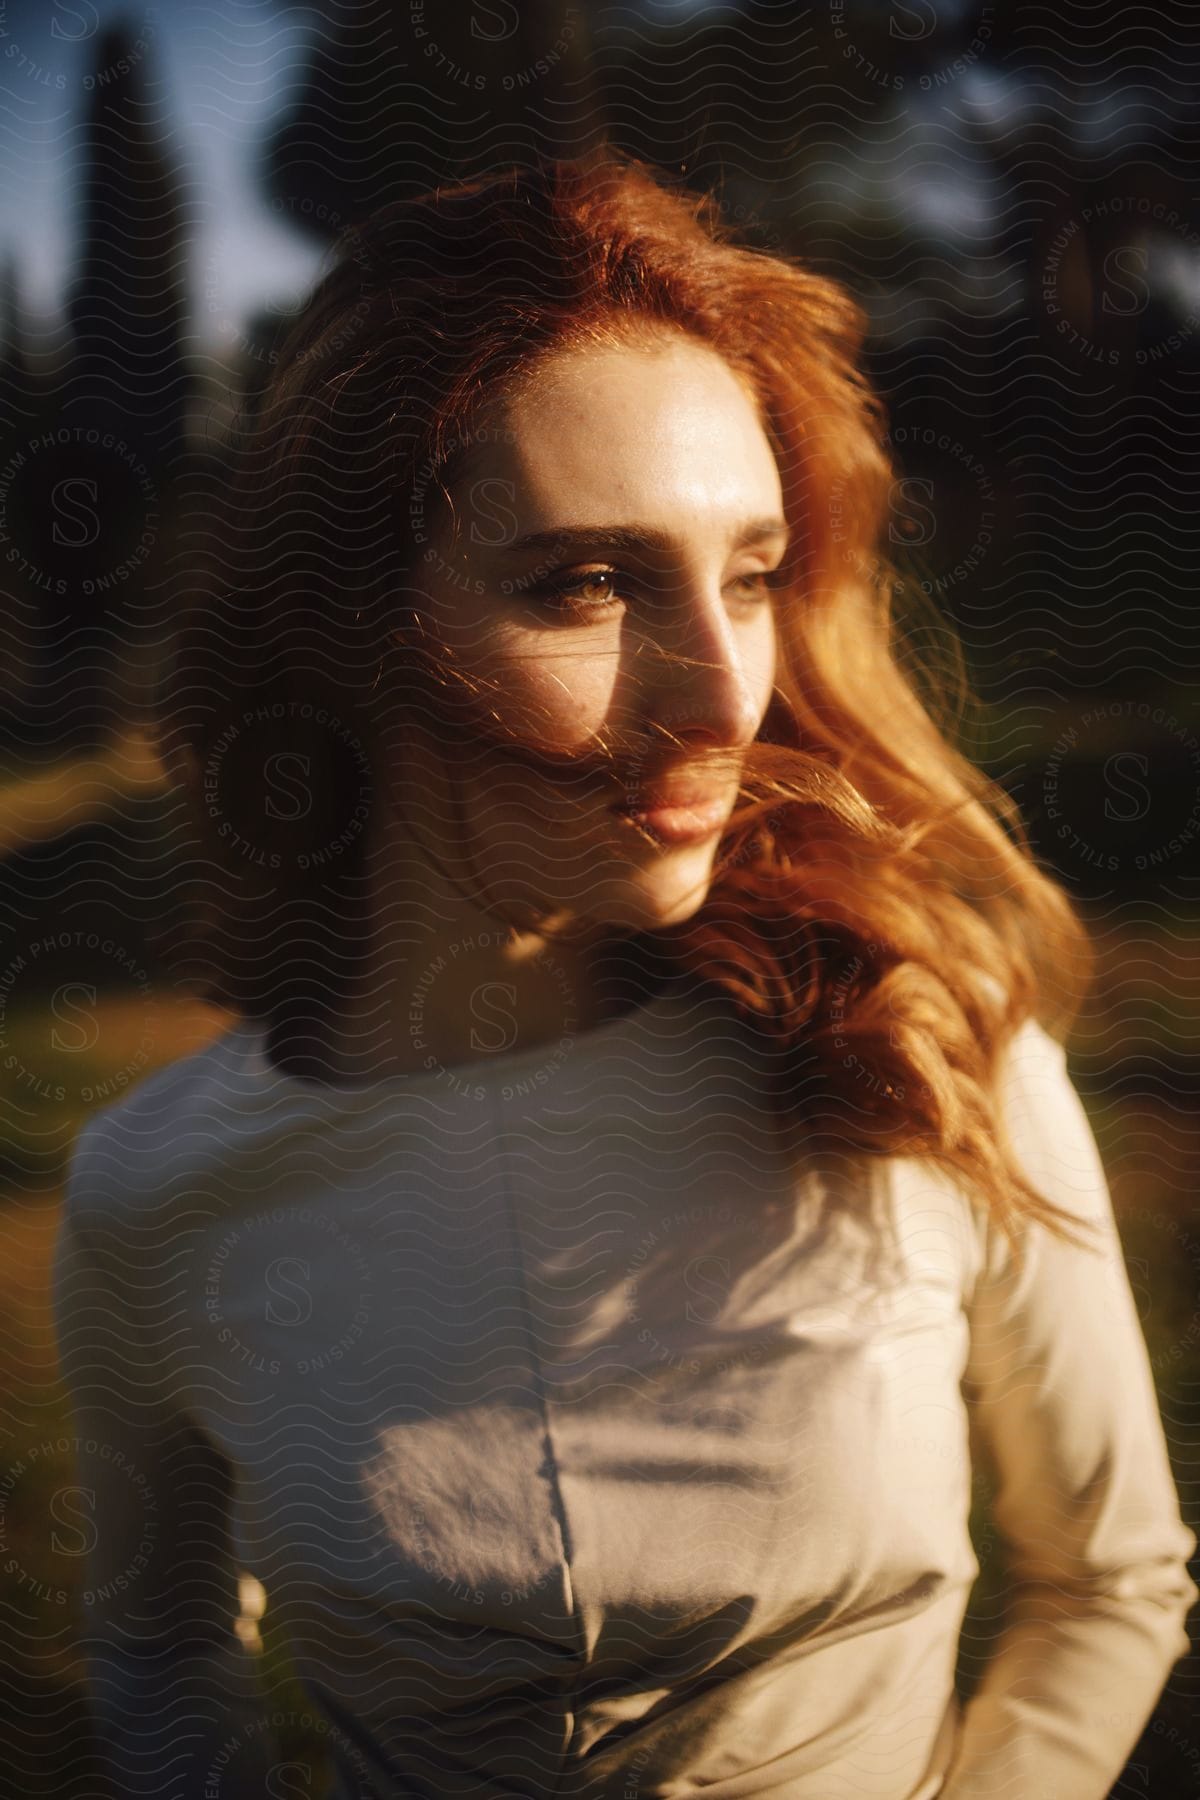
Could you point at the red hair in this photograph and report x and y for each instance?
(873, 872)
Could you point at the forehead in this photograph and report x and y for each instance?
(664, 428)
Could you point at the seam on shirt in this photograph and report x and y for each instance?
(548, 1468)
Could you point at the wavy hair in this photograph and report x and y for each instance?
(875, 911)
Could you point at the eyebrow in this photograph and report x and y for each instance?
(634, 538)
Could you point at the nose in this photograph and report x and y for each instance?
(693, 669)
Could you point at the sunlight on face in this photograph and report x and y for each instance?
(619, 658)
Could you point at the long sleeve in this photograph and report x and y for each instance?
(171, 1688)
(1062, 1402)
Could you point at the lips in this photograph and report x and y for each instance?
(665, 799)
(675, 813)
(666, 790)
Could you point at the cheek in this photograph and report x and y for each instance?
(769, 664)
(558, 698)
(546, 688)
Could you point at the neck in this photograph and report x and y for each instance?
(434, 977)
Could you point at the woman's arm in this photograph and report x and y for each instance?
(172, 1690)
(1063, 1404)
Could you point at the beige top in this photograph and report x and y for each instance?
(586, 1446)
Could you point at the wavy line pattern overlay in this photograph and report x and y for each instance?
(436, 1364)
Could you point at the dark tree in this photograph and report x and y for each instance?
(126, 305)
(397, 98)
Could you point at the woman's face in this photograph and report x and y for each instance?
(617, 662)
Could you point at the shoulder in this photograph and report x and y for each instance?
(1032, 1091)
(1041, 1118)
(1041, 1111)
(1038, 1116)
(1031, 1051)
(133, 1147)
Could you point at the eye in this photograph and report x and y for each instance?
(759, 584)
(578, 591)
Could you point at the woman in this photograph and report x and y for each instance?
(644, 1191)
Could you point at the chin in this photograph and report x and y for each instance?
(650, 899)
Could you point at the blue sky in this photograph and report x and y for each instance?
(223, 72)
(221, 75)
(229, 70)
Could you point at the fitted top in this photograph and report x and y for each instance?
(589, 1441)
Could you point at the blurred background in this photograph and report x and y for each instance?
(1011, 194)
